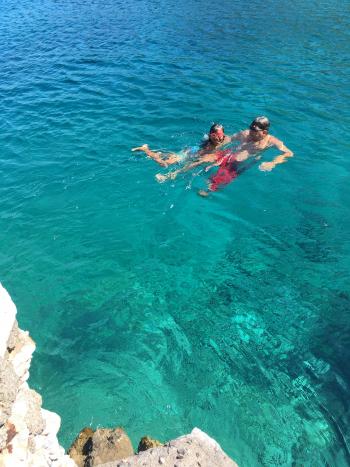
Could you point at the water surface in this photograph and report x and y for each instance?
(152, 308)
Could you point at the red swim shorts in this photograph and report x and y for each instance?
(225, 174)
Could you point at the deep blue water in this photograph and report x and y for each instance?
(153, 308)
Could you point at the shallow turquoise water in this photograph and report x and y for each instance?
(151, 307)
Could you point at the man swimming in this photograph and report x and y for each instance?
(252, 142)
(216, 139)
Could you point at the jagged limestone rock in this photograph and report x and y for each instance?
(21, 355)
(9, 383)
(81, 447)
(8, 317)
(12, 340)
(147, 443)
(28, 433)
(33, 417)
(110, 444)
(194, 450)
(92, 448)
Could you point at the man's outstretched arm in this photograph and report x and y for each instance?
(280, 159)
(172, 175)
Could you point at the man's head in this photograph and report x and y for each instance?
(216, 133)
(259, 128)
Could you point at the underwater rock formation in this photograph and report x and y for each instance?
(28, 433)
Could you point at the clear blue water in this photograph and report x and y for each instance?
(153, 308)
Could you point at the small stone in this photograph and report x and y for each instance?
(147, 443)
(180, 453)
(161, 460)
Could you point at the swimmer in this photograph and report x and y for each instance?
(216, 139)
(208, 154)
(252, 142)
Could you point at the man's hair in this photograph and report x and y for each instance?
(260, 123)
(215, 127)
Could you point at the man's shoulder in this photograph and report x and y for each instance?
(242, 135)
(274, 141)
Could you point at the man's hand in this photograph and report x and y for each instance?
(266, 166)
(208, 167)
(280, 159)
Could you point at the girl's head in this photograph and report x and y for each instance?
(216, 133)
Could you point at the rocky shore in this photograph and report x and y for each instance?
(28, 432)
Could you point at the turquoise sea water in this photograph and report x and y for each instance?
(153, 308)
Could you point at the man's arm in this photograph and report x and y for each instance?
(216, 164)
(172, 175)
(280, 159)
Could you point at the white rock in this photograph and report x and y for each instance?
(191, 450)
(52, 422)
(7, 318)
(64, 461)
(30, 447)
(38, 459)
(19, 450)
(199, 434)
(19, 408)
(22, 356)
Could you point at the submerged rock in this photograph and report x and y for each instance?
(92, 448)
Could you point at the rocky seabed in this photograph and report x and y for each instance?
(28, 432)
